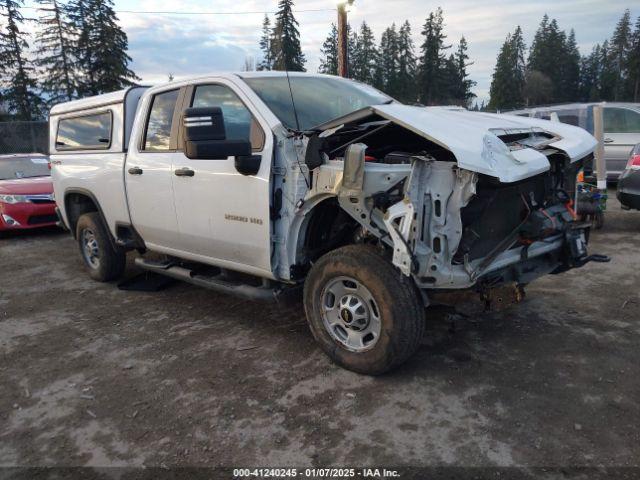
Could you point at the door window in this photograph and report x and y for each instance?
(570, 119)
(621, 120)
(158, 132)
(238, 120)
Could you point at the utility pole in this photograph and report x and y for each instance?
(343, 40)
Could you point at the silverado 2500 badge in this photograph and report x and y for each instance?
(240, 218)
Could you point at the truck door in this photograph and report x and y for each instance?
(149, 170)
(222, 214)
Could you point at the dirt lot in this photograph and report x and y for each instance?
(91, 375)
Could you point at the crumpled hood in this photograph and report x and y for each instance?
(473, 137)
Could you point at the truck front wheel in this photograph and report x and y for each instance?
(366, 316)
(104, 261)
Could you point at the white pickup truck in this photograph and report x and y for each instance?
(260, 183)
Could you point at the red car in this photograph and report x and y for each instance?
(26, 192)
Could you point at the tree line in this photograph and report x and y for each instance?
(551, 70)
(78, 50)
(555, 72)
(428, 76)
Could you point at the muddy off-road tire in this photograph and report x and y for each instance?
(366, 315)
(104, 261)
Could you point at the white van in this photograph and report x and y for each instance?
(621, 127)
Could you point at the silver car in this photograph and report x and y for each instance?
(621, 127)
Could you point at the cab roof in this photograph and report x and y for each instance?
(120, 95)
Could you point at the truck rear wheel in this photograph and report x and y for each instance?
(105, 261)
(366, 316)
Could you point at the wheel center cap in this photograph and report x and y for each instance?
(346, 315)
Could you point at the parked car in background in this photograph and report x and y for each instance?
(629, 183)
(26, 192)
(621, 127)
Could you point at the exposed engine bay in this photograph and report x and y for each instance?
(447, 226)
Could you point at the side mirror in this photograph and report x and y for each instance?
(248, 164)
(205, 136)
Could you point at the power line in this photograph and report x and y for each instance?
(221, 13)
(167, 12)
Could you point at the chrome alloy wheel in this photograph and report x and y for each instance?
(350, 314)
(90, 250)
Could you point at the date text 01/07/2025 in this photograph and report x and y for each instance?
(315, 473)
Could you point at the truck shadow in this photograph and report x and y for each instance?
(35, 234)
(458, 340)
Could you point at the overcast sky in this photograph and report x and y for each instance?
(194, 44)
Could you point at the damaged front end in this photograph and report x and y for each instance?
(457, 213)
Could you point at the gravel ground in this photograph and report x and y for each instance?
(94, 376)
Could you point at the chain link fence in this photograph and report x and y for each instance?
(24, 137)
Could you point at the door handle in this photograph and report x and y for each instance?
(135, 171)
(184, 172)
(608, 140)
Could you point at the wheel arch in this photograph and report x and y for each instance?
(77, 202)
(317, 226)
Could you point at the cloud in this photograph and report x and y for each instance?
(196, 44)
(162, 46)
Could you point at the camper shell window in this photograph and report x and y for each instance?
(85, 132)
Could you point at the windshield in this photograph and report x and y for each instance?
(23, 167)
(317, 99)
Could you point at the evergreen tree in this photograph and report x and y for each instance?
(365, 63)
(80, 18)
(620, 46)
(633, 64)
(19, 85)
(462, 92)
(570, 65)
(285, 42)
(101, 48)
(353, 50)
(608, 74)
(501, 92)
(55, 52)
(547, 55)
(329, 53)
(508, 81)
(538, 88)
(538, 52)
(432, 62)
(449, 74)
(518, 51)
(589, 85)
(110, 63)
(389, 61)
(265, 45)
(407, 66)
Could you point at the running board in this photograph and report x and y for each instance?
(218, 283)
